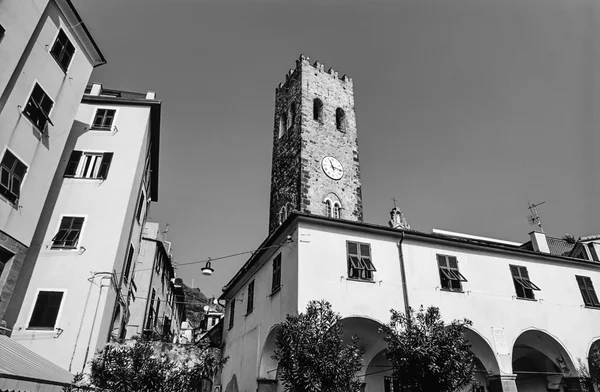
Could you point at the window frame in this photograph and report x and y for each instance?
(103, 128)
(589, 290)
(358, 261)
(69, 41)
(524, 282)
(232, 313)
(101, 166)
(127, 267)
(16, 201)
(79, 237)
(58, 313)
(449, 273)
(250, 300)
(276, 273)
(141, 207)
(46, 116)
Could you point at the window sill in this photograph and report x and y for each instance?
(592, 307)
(101, 129)
(40, 130)
(63, 248)
(452, 291)
(13, 204)
(85, 178)
(47, 329)
(275, 291)
(361, 280)
(526, 299)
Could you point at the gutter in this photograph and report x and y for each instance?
(403, 274)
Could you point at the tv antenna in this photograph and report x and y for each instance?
(534, 218)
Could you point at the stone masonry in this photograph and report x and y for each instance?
(297, 178)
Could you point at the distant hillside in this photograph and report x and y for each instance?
(195, 301)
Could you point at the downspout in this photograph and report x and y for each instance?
(403, 276)
(87, 350)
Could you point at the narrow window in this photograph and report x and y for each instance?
(360, 265)
(587, 291)
(150, 320)
(38, 108)
(593, 252)
(140, 208)
(103, 119)
(523, 286)
(128, 263)
(336, 210)
(328, 210)
(276, 283)
(231, 312)
(62, 50)
(46, 310)
(157, 311)
(5, 256)
(450, 277)
(282, 124)
(250, 303)
(318, 110)
(340, 120)
(68, 233)
(12, 172)
(291, 115)
(89, 165)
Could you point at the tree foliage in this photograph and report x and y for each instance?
(427, 355)
(312, 355)
(145, 366)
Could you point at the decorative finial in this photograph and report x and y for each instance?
(397, 218)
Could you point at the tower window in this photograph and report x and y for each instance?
(291, 115)
(337, 209)
(318, 110)
(340, 120)
(282, 124)
(328, 210)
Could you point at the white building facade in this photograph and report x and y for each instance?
(77, 295)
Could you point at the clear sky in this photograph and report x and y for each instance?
(465, 110)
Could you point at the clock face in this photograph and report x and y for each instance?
(332, 167)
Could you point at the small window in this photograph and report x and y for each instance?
(12, 172)
(46, 310)
(5, 256)
(231, 312)
(282, 124)
(328, 209)
(140, 208)
(337, 208)
(157, 311)
(450, 277)
(593, 252)
(318, 110)
(587, 291)
(62, 50)
(250, 303)
(523, 286)
(291, 115)
(38, 108)
(104, 119)
(360, 265)
(340, 120)
(128, 263)
(68, 233)
(89, 165)
(151, 312)
(276, 283)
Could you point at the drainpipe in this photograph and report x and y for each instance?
(403, 276)
(87, 349)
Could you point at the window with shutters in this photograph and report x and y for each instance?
(38, 108)
(250, 302)
(157, 311)
(68, 234)
(63, 50)
(94, 165)
(12, 172)
(128, 263)
(450, 277)
(151, 312)
(45, 310)
(360, 265)
(276, 282)
(524, 287)
(231, 312)
(587, 291)
(140, 208)
(103, 120)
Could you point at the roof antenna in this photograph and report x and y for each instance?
(534, 218)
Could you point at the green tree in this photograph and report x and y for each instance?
(146, 366)
(427, 355)
(311, 354)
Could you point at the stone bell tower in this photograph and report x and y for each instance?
(315, 166)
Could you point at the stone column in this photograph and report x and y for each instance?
(503, 383)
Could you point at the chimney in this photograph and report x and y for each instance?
(539, 242)
(151, 95)
(96, 89)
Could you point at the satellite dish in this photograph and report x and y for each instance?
(206, 308)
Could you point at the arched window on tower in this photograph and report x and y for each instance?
(282, 215)
(328, 208)
(340, 120)
(291, 115)
(282, 124)
(337, 210)
(318, 110)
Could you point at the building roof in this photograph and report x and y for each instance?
(86, 37)
(525, 249)
(119, 97)
(559, 247)
(17, 361)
